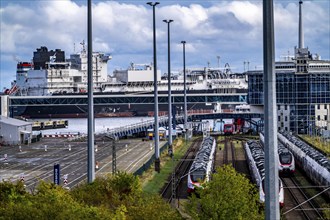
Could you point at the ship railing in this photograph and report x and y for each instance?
(139, 125)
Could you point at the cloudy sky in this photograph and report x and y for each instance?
(229, 29)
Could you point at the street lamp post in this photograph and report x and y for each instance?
(184, 87)
(169, 89)
(90, 153)
(156, 129)
(327, 121)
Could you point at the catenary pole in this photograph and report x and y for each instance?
(156, 127)
(271, 170)
(90, 124)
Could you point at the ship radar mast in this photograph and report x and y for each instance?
(83, 46)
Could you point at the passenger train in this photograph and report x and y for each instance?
(314, 163)
(228, 129)
(256, 160)
(202, 166)
(286, 161)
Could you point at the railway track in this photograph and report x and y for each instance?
(176, 187)
(36, 164)
(229, 153)
(299, 203)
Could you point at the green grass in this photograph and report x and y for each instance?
(152, 182)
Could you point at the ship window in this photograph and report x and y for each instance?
(325, 117)
(318, 117)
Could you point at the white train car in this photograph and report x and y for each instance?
(286, 161)
(202, 167)
(314, 163)
(256, 161)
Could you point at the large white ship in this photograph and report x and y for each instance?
(50, 74)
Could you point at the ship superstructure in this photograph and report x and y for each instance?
(51, 74)
(139, 79)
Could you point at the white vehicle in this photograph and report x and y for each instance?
(256, 161)
(202, 167)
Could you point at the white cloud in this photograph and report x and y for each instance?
(231, 29)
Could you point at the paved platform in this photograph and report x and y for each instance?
(35, 162)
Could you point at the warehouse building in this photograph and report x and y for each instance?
(14, 131)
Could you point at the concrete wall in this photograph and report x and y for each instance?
(4, 105)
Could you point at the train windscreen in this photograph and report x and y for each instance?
(197, 176)
(285, 158)
(228, 128)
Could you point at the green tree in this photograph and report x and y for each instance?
(48, 202)
(122, 194)
(228, 196)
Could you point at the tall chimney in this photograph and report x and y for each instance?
(301, 34)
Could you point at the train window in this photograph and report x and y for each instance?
(197, 176)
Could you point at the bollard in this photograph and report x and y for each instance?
(22, 176)
(5, 157)
(20, 148)
(65, 181)
(126, 147)
(95, 148)
(97, 165)
(69, 147)
(45, 147)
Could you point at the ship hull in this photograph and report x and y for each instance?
(125, 110)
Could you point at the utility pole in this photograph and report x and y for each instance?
(170, 148)
(269, 78)
(185, 88)
(90, 153)
(156, 127)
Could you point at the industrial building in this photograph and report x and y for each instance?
(302, 90)
(14, 131)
